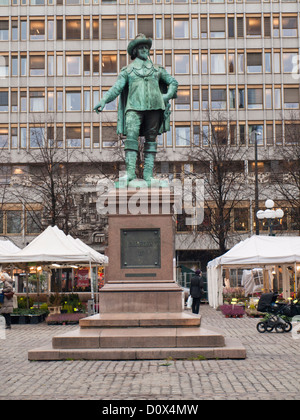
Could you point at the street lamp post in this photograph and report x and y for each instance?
(255, 132)
(270, 215)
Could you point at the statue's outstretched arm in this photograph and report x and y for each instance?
(113, 92)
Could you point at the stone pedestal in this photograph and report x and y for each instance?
(141, 305)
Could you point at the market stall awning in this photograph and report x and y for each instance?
(53, 246)
(257, 251)
(261, 250)
(7, 247)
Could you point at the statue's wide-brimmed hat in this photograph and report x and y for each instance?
(139, 39)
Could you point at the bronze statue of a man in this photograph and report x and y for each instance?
(144, 110)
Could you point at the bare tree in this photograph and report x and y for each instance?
(286, 176)
(53, 179)
(219, 162)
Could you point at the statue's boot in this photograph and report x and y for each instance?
(149, 159)
(130, 161)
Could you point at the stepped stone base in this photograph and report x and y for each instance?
(134, 336)
(232, 350)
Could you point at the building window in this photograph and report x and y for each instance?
(87, 136)
(73, 65)
(275, 26)
(218, 98)
(204, 98)
(37, 137)
(182, 134)
(37, 101)
(240, 27)
(291, 98)
(217, 63)
(277, 97)
(256, 134)
(182, 64)
(37, 30)
(73, 101)
(254, 62)
(204, 68)
(183, 99)
(13, 221)
(231, 63)
(231, 27)
(232, 98)
(219, 134)
(241, 219)
(37, 65)
(4, 27)
(145, 26)
(268, 102)
(203, 27)
(289, 62)
(109, 136)
(4, 101)
(253, 26)
(14, 65)
(73, 136)
(181, 28)
(217, 27)
(73, 29)
(14, 137)
(109, 63)
(3, 137)
(51, 30)
(33, 222)
(289, 26)
(4, 66)
(50, 101)
(109, 29)
(255, 98)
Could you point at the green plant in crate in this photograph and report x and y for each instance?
(25, 302)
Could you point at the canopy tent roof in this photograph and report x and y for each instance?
(260, 250)
(256, 251)
(53, 245)
(7, 247)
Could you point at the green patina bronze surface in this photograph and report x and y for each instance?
(145, 90)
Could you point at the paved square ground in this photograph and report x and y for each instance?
(270, 371)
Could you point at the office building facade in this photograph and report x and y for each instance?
(236, 63)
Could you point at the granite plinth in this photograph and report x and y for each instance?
(141, 297)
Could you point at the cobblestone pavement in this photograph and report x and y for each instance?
(270, 371)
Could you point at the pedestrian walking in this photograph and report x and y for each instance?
(196, 291)
(7, 306)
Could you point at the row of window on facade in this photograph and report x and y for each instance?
(222, 98)
(103, 2)
(180, 135)
(16, 222)
(179, 63)
(113, 28)
(239, 219)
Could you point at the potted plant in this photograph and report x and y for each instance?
(55, 304)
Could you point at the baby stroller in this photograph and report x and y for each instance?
(275, 314)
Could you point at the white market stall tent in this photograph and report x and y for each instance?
(254, 252)
(7, 248)
(54, 247)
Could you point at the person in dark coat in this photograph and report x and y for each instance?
(196, 291)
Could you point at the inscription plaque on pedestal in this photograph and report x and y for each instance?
(140, 248)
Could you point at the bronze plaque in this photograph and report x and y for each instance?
(140, 248)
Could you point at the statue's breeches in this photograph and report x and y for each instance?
(146, 123)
